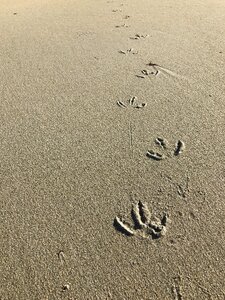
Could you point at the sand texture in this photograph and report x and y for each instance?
(112, 150)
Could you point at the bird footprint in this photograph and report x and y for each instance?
(131, 50)
(139, 36)
(131, 102)
(123, 25)
(163, 143)
(145, 225)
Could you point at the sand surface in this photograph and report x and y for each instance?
(71, 159)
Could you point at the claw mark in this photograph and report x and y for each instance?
(161, 142)
(143, 225)
(180, 146)
(119, 224)
(155, 155)
(121, 104)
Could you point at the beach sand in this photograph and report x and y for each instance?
(72, 159)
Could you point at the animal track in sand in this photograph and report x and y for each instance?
(163, 144)
(146, 73)
(132, 102)
(116, 10)
(145, 225)
(123, 25)
(155, 155)
(180, 147)
(139, 36)
(153, 71)
(131, 50)
(156, 70)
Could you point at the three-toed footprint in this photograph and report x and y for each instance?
(145, 225)
(155, 70)
(122, 25)
(163, 144)
(139, 36)
(131, 50)
(131, 102)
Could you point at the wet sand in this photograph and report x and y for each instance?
(73, 160)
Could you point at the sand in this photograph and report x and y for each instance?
(72, 159)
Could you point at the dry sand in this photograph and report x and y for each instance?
(72, 159)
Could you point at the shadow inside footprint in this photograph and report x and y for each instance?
(180, 146)
(155, 236)
(122, 227)
(154, 155)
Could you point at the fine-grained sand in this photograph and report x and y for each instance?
(73, 158)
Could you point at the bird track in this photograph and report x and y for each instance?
(144, 224)
(132, 102)
(163, 144)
